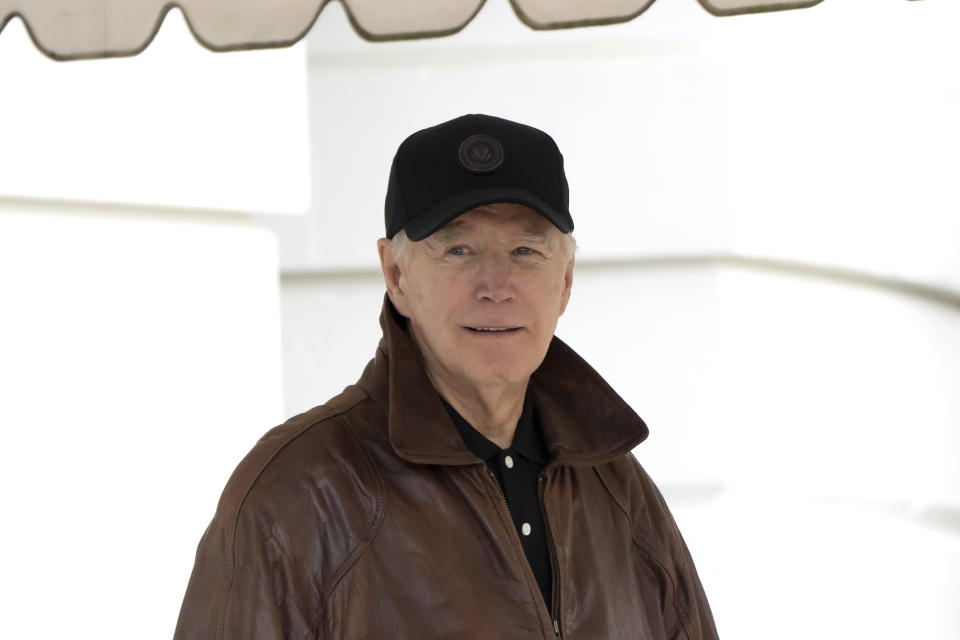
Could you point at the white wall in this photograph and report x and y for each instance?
(140, 361)
(176, 125)
(140, 347)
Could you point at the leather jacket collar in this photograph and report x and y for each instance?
(583, 420)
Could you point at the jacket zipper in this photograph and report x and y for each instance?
(502, 496)
(555, 566)
(553, 560)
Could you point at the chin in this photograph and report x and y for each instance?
(514, 374)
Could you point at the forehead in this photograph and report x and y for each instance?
(508, 217)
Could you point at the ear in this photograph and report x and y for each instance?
(391, 275)
(567, 286)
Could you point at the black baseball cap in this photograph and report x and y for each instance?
(446, 170)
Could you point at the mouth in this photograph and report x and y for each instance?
(493, 330)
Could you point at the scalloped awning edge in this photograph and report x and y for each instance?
(86, 29)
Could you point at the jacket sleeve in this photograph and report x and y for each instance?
(242, 586)
(292, 516)
(694, 617)
(688, 609)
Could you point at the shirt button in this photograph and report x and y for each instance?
(509, 462)
(525, 528)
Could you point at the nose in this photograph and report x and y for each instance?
(494, 281)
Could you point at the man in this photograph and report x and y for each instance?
(477, 481)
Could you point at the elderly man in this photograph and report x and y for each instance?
(477, 481)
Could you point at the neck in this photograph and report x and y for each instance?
(493, 411)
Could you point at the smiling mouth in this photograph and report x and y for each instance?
(493, 330)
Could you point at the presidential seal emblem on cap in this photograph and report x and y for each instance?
(481, 154)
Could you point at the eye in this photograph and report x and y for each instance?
(523, 251)
(457, 251)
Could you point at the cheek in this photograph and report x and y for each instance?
(436, 304)
(548, 293)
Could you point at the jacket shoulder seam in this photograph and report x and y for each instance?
(374, 527)
(649, 551)
(235, 517)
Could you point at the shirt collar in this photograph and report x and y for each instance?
(527, 440)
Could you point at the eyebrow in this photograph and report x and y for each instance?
(534, 237)
(452, 231)
(448, 233)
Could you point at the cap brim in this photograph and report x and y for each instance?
(440, 213)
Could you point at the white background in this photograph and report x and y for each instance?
(769, 273)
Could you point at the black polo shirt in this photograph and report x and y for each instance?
(517, 470)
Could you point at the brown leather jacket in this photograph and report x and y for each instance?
(367, 517)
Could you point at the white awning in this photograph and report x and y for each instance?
(72, 29)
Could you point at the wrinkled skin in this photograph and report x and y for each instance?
(483, 295)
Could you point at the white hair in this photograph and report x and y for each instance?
(400, 244)
(569, 244)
